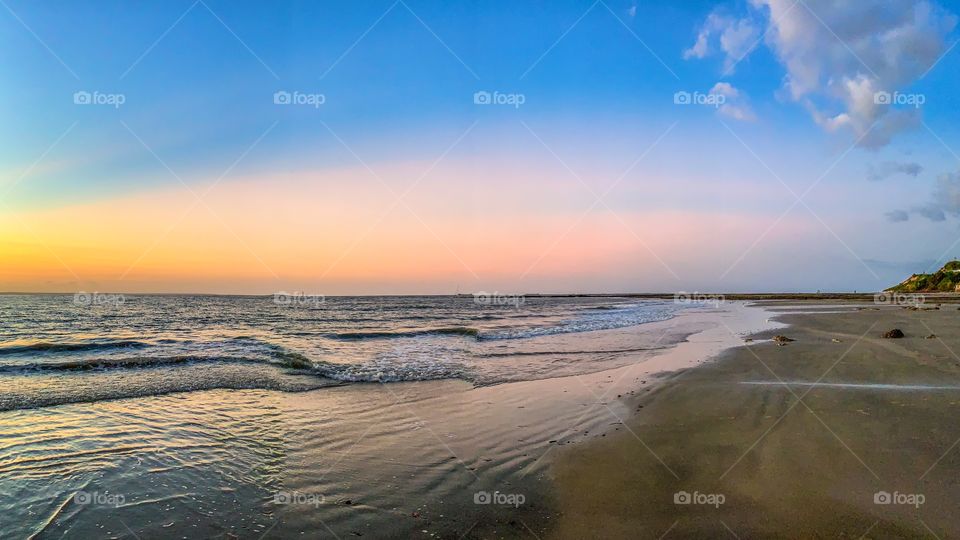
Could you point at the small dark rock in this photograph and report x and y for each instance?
(896, 333)
(782, 339)
(931, 336)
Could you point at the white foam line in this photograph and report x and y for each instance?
(864, 386)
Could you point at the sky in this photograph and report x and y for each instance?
(430, 147)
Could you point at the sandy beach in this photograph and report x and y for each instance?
(705, 428)
(838, 434)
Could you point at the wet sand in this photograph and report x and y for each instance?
(782, 460)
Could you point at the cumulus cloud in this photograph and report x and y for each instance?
(735, 104)
(733, 36)
(890, 168)
(840, 52)
(945, 201)
(839, 55)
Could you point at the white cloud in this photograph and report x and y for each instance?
(845, 52)
(737, 40)
(736, 37)
(838, 55)
(700, 48)
(735, 103)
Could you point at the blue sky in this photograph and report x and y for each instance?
(598, 81)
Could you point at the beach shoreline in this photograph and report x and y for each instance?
(699, 408)
(407, 459)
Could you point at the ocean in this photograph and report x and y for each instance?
(78, 348)
(291, 415)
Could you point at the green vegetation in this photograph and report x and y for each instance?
(947, 279)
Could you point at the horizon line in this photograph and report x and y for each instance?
(733, 295)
